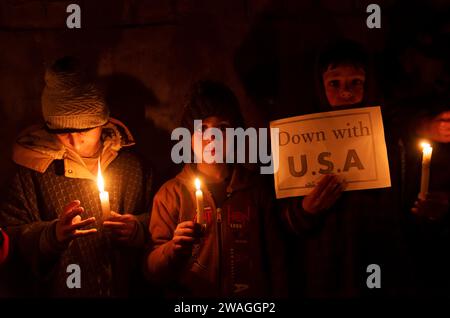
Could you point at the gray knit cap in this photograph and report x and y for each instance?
(70, 100)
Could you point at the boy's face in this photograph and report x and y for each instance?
(344, 85)
(210, 145)
(85, 143)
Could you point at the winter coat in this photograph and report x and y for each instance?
(48, 177)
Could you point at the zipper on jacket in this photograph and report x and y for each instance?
(219, 221)
(219, 215)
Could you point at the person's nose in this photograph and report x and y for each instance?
(75, 140)
(346, 93)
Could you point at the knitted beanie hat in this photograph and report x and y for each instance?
(70, 100)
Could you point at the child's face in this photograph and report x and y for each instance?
(344, 85)
(85, 143)
(210, 146)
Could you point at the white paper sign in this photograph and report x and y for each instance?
(349, 143)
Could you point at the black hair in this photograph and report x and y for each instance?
(343, 52)
(209, 98)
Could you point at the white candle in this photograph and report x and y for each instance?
(426, 160)
(199, 202)
(104, 196)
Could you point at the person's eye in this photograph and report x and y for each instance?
(333, 83)
(357, 81)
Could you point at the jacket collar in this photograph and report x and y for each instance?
(36, 149)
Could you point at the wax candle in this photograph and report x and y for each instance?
(425, 179)
(104, 196)
(199, 202)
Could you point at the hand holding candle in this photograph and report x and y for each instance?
(104, 196)
(123, 228)
(426, 161)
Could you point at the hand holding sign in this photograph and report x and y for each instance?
(324, 195)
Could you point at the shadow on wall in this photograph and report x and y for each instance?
(130, 100)
(276, 60)
(7, 133)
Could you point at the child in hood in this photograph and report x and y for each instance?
(339, 234)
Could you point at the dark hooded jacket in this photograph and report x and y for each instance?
(362, 228)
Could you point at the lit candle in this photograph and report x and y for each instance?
(426, 160)
(104, 196)
(199, 202)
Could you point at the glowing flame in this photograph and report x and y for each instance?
(426, 147)
(424, 144)
(197, 183)
(100, 181)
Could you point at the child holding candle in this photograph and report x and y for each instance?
(432, 204)
(237, 253)
(423, 116)
(419, 92)
(53, 211)
(429, 201)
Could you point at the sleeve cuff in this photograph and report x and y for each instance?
(300, 220)
(48, 243)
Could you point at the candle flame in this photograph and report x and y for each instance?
(100, 181)
(426, 147)
(197, 183)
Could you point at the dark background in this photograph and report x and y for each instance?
(147, 53)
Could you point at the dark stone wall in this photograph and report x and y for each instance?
(147, 53)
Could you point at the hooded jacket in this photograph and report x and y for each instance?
(240, 254)
(336, 246)
(48, 177)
